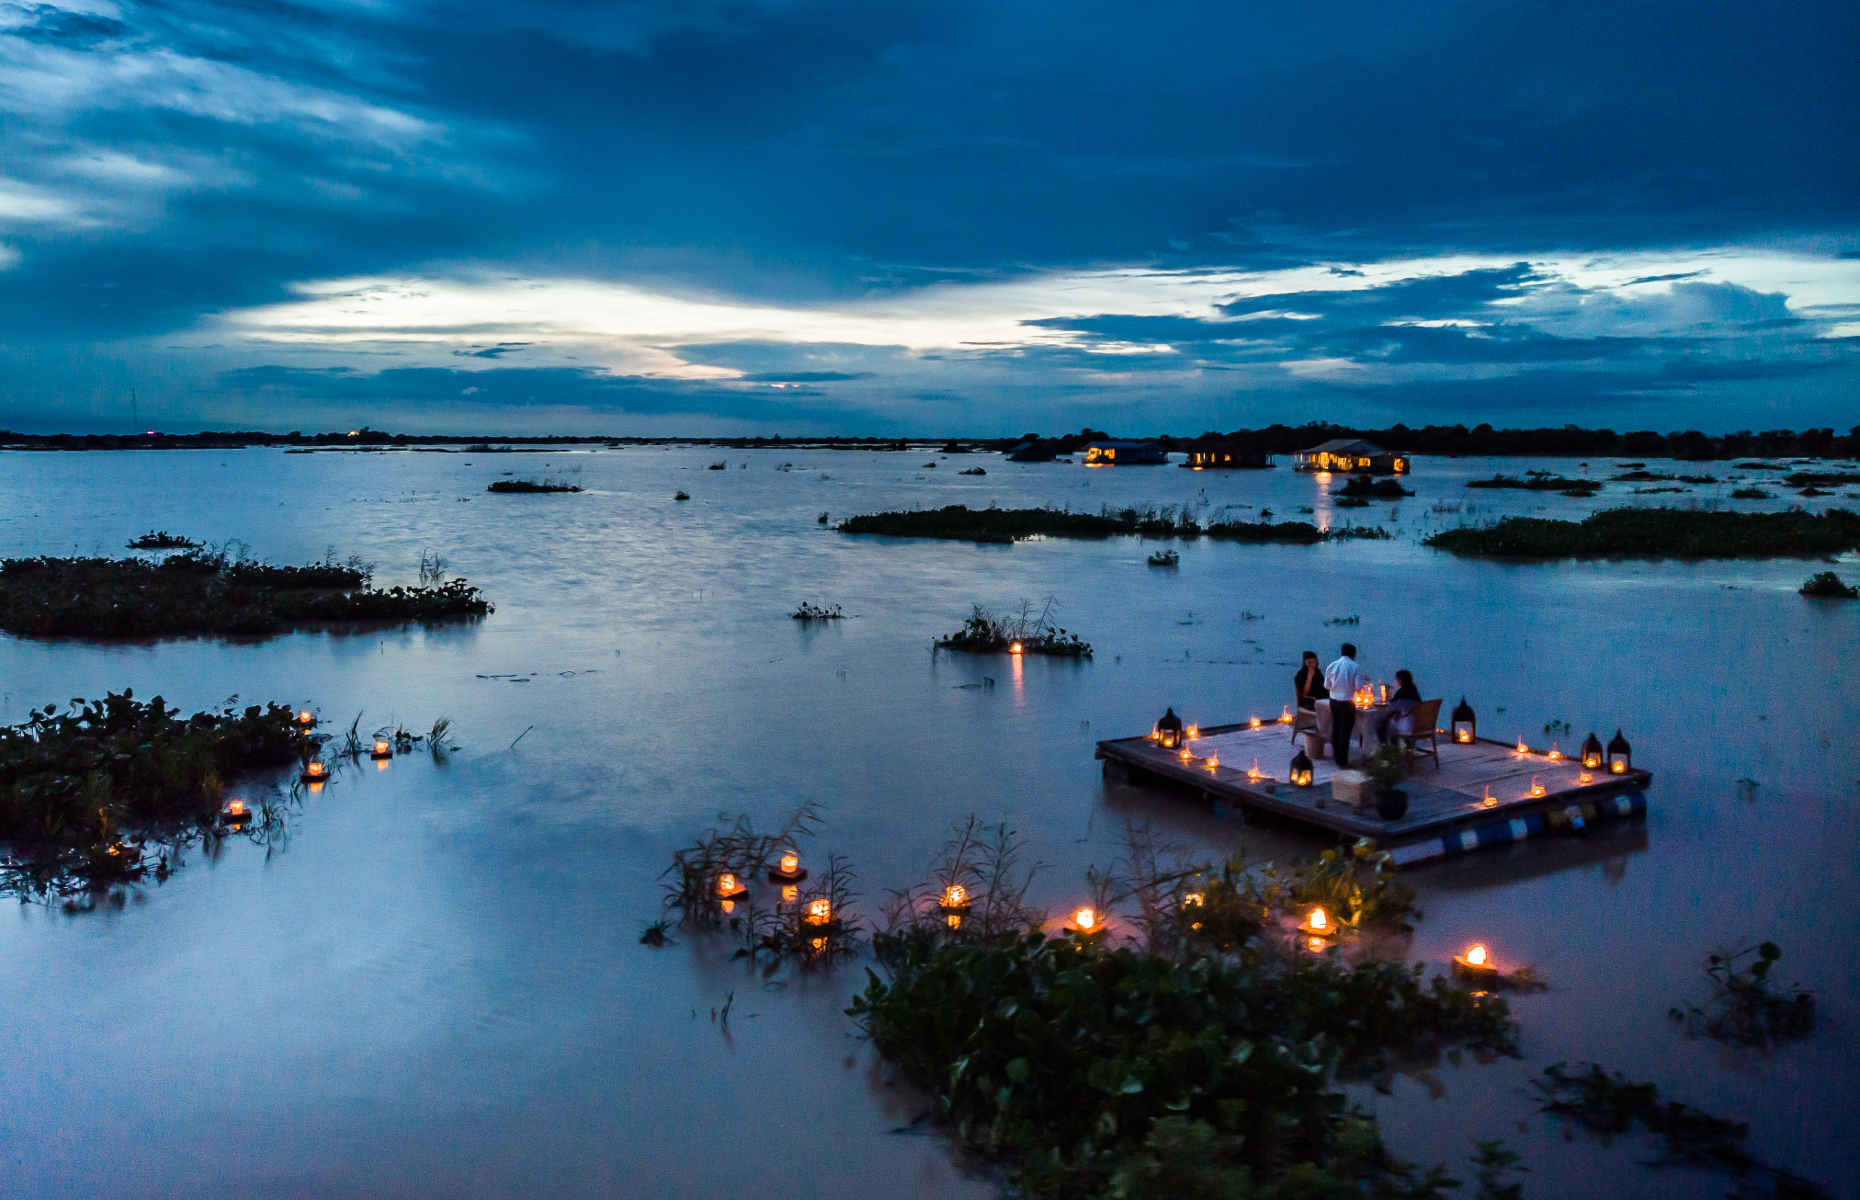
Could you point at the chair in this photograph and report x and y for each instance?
(1303, 722)
(1423, 724)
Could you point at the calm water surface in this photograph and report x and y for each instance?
(435, 986)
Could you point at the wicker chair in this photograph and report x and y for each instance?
(1424, 723)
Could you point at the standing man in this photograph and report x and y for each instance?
(1343, 679)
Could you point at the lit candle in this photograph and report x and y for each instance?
(728, 885)
(1476, 962)
(1585, 777)
(819, 911)
(1014, 648)
(1488, 800)
(1187, 754)
(1317, 923)
(1252, 772)
(1193, 900)
(1085, 920)
(1194, 731)
(1285, 715)
(1537, 787)
(1214, 762)
(955, 896)
(306, 718)
(1522, 748)
(382, 748)
(1555, 754)
(1253, 721)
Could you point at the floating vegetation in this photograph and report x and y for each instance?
(1165, 558)
(1828, 585)
(719, 465)
(1536, 482)
(1352, 619)
(202, 593)
(1820, 479)
(1751, 493)
(527, 486)
(1355, 533)
(1746, 1005)
(1652, 476)
(972, 471)
(1609, 1105)
(817, 612)
(1204, 1064)
(82, 792)
(1027, 632)
(161, 539)
(1660, 533)
(1002, 525)
(1362, 487)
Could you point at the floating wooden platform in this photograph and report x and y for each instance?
(1447, 808)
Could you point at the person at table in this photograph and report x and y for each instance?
(1342, 680)
(1308, 683)
(1394, 718)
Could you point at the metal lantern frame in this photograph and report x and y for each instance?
(1463, 714)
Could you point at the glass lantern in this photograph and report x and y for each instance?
(1619, 756)
(1169, 731)
(1592, 752)
(1465, 724)
(1301, 769)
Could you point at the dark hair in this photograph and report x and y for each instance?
(1403, 676)
(1308, 654)
(1349, 649)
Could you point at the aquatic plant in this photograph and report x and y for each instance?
(1358, 886)
(1828, 585)
(1818, 479)
(681, 494)
(1535, 482)
(1003, 525)
(1746, 1005)
(1609, 1104)
(1751, 493)
(82, 791)
(161, 539)
(733, 847)
(1362, 487)
(1027, 632)
(817, 612)
(719, 465)
(1660, 533)
(972, 471)
(530, 486)
(202, 593)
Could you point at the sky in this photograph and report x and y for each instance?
(781, 216)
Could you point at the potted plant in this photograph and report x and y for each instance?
(1384, 769)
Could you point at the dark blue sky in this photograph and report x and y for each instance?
(700, 217)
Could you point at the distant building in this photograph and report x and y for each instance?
(1220, 455)
(1033, 450)
(1351, 454)
(1120, 453)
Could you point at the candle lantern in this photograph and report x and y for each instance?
(1194, 899)
(1193, 731)
(1476, 962)
(1465, 724)
(1253, 772)
(1187, 754)
(1592, 752)
(1554, 755)
(1253, 721)
(1214, 762)
(787, 868)
(1317, 923)
(314, 772)
(1537, 786)
(955, 898)
(1086, 922)
(383, 749)
(1169, 731)
(1488, 800)
(1585, 777)
(1285, 715)
(235, 813)
(819, 911)
(306, 718)
(729, 887)
(1013, 647)
(1522, 748)
(1619, 759)
(1301, 769)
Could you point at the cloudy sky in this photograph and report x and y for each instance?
(782, 215)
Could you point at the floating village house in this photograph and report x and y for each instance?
(1225, 454)
(1121, 453)
(1351, 454)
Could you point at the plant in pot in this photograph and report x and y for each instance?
(1384, 769)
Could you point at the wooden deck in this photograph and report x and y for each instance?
(1442, 802)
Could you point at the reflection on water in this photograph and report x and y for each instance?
(435, 985)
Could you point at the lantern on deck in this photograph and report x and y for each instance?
(1285, 715)
(1301, 769)
(1169, 731)
(1192, 732)
(1619, 759)
(1592, 752)
(1537, 787)
(787, 868)
(1465, 724)
(383, 749)
(1252, 722)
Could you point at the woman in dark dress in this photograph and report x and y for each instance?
(1403, 702)
(1308, 683)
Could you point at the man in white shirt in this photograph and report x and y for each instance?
(1343, 679)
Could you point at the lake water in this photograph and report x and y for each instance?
(435, 986)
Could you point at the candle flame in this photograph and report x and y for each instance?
(236, 808)
(1085, 919)
(1014, 648)
(819, 911)
(726, 884)
(790, 863)
(1318, 919)
(955, 895)
(1476, 955)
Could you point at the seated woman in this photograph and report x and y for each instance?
(1308, 684)
(1394, 719)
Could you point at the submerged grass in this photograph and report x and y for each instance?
(529, 486)
(1660, 533)
(202, 593)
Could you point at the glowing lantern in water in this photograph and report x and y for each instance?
(1316, 945)
(1317, 923)
(787, 868)
(1013, 647)
(1619, 760)
(1085, 920)
(235, 813)
(789, 893)
(383, 749)
(1537, 786)
(1592, 752)
(729, 887)
(1477, 962)
(1301, 769)
(306, 718)
(955, 898)
(819, 911)
(314, 772)
(1169, 730)
(1465, 724)
(1193, 900)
